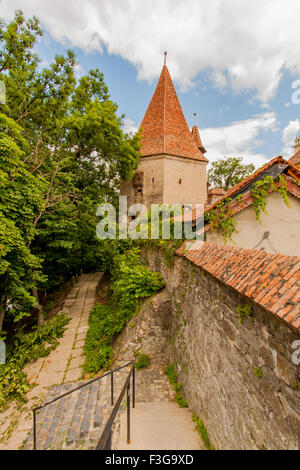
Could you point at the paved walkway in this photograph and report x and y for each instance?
(159, 426)
(62, 366)
(77, 421)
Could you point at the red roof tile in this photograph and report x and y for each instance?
(164, 129)
(291, 186)
(247, 200)
(217, 191)
(272, 281)
(249, 178)
(295, 159)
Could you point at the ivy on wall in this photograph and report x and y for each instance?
(222, 217)
(260, 190)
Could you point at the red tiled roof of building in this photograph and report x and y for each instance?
(247, 200)
(197, 138)
(217, 191)
(270, 280)
(295, 159)
(250, 178)
(164, 129)
(292, 187)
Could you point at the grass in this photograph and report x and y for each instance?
(201, 429)
(173, 379)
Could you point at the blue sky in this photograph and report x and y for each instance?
(236, 75)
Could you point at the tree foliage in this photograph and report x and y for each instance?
(25, 348)
(227, 172)
(132, 282)
(62, 153)
(20, 200)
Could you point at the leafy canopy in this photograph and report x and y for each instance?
(63, 152)
(131, 282)
(227, 172)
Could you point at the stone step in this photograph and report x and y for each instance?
(77, 420)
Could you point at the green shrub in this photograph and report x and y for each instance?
(143, 360)
(102, 328)
(13, 384)
(131, 281)
(244, 311)
(39, 342)
(26, 347)
(258, 372)
(173, 379)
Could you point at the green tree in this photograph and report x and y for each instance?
(73, 149)
(227, 172)
(21, 198)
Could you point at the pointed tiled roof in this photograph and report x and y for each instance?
(197, 139)
(164, 129)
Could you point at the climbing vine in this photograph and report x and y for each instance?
(221, 217)
(282, 189)
(260, 190)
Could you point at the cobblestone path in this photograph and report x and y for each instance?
(75, 421)
(62, 366)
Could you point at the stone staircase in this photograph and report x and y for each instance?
(77, 420)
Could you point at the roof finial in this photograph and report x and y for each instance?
(165, 57)
(195, 115)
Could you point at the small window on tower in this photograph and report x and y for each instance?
(180, 181)
(152, 180)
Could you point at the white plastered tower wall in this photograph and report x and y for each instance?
(172, 167)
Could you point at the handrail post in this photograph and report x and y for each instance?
(133, 386)
(108, 442)
(112, 388)
(34, 430)
(101, 443)
(128, 413)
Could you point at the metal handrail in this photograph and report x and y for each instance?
(111, 373)
(104, 442)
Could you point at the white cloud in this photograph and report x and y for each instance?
(245, 44)
(78, 71)
(129, 126)
(239, 139)
(288, 137)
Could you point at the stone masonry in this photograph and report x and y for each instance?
(238, 376)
